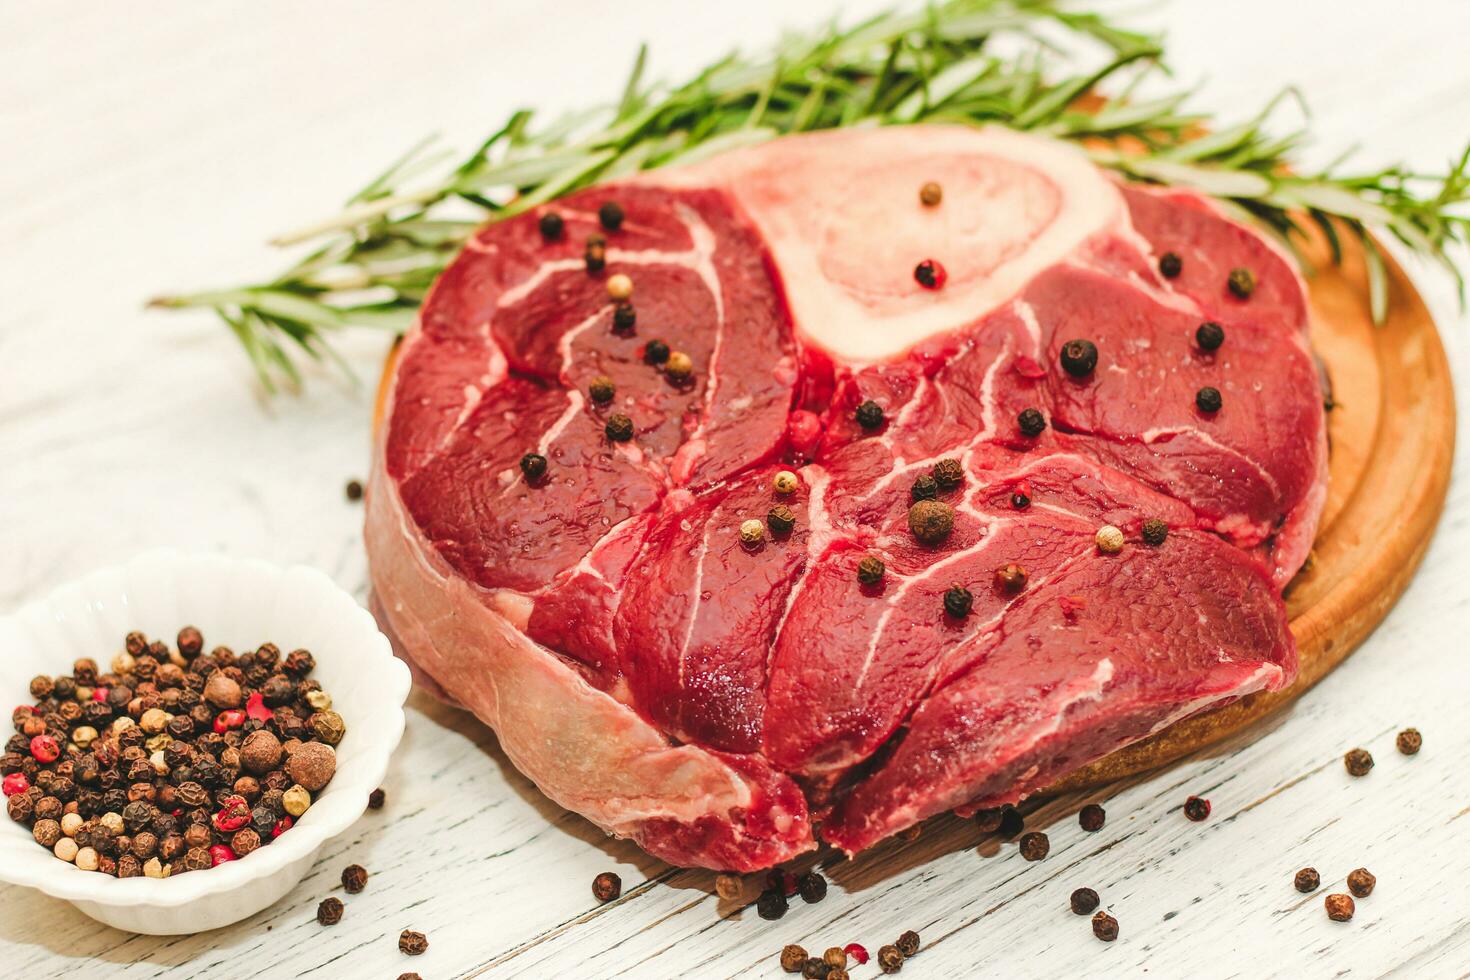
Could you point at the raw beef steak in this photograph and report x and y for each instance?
(727, 698)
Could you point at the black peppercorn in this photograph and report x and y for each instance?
(925, 487)
(1209, 335)
(278, 690)
(412, 943)
(1340, 907)
(957, 601)
(931, 521)
(21, 807)
(869, 415)
(1170, 265)
(870, 570)
(1360, 882)
(815, 968)
(299, 663)
(611, 215)
(1031, 422)
(655, 352)
(329, 912)
(1105, 927)
(97, 713)
(908, 943)
(1358, 762)
(551, 225)
(1091, 818)
(190, 641)
(1084, 901)
(354, 878)
(607, 886)
(263, 818)
(812, 887)
(1207, 399)
(1020, 500)
(771, 904)
(595, 253)
(989, 821)
(1035, 846)
(1307, 880)
(601, 389)
(1409, 741)
(780, 519)
(930, 194)
(1079, 358)
(1155, 532)
(533, 466)
(138, 815)
(1196, 808)
(948, 474)
(890, 960)
(619, 428)
(793, 958)
(1242, 283)
(1011, 821)
(354, 490)
(624, 317)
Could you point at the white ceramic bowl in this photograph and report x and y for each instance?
(241, 604)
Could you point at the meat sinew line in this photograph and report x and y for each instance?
(698, 260)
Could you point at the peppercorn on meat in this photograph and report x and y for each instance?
(828, 484)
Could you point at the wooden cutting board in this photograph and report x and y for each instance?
(1392, 434)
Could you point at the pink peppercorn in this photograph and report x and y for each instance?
(225, 720)
(16, 783)
(857, 951)
(281, 826)
(255, 707)
(100, 693)
(234, 813)
(45, 749)
(930, 274)
(219, 854)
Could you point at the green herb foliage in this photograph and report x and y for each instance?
(1022, 63)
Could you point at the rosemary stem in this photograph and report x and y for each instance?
(356, 215)
(378, 257)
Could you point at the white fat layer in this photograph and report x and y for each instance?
(1090, 688)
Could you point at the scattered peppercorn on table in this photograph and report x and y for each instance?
(1284, 852)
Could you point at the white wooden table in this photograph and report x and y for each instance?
(152, 148)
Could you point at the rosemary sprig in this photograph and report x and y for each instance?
(945, 63)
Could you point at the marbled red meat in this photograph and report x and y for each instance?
(730, 705)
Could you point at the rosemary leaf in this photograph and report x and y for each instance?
(374, 261)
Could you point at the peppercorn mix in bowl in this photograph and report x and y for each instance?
(294, 703)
